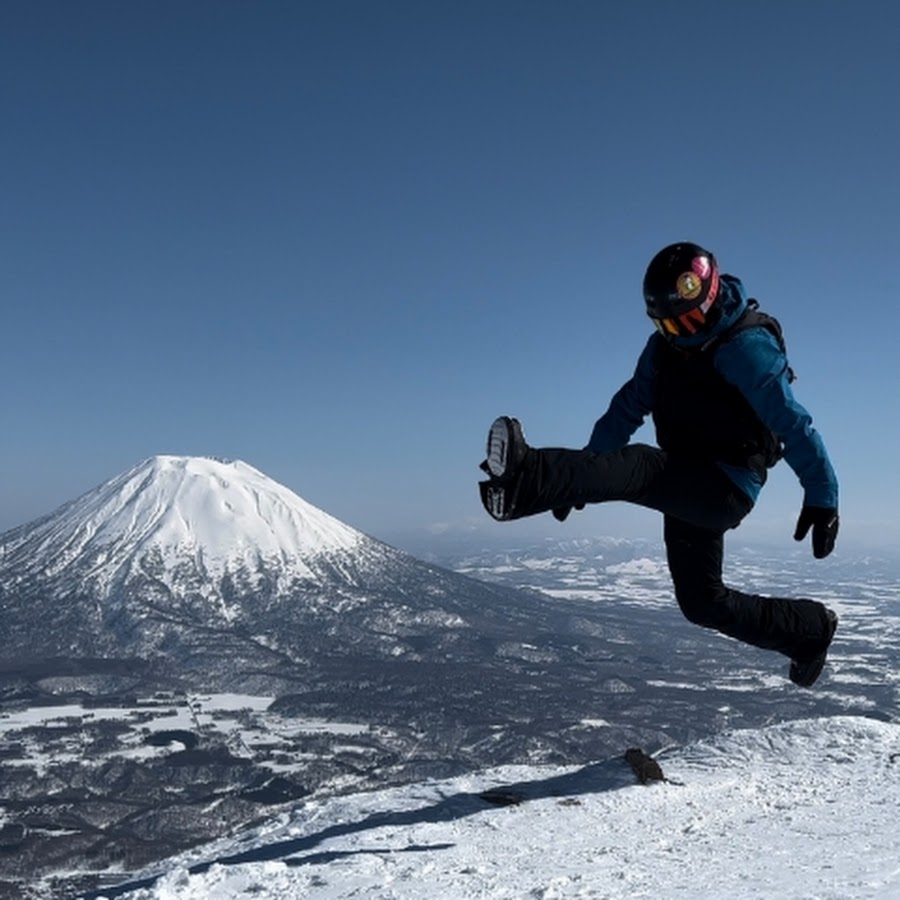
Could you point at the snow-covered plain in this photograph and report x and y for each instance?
(804, 809)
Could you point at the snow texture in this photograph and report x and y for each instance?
(803, 809)
(223, 516)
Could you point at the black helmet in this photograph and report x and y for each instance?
(680, 288)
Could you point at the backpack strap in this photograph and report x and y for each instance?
(753, 317)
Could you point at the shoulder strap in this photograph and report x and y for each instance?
(753, 317)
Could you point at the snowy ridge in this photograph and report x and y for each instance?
(797, 810)
(220, 516)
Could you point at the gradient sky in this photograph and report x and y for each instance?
(334, 239)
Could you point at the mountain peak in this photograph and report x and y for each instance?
(222, 516)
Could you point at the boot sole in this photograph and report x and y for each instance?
(501, 435)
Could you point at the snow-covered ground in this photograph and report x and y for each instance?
(804, 809)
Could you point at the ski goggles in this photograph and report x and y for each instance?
(688, 324)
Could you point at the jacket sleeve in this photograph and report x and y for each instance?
(630, 405)
(754, 362)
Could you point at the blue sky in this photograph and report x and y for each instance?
(335, 239)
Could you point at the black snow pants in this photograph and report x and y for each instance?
(699, 503)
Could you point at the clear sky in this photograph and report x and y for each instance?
(334, 239)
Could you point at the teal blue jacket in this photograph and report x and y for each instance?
(754, 362)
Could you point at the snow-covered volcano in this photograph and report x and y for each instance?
(178, 518)
(201, 560)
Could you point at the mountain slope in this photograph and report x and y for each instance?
(213, 516)
(795, 810)
(213, 566)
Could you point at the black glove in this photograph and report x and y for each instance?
(561, 513)
(824, 523)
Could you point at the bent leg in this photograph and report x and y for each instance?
(791, 627)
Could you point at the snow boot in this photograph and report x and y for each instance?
(805, 670)
(506, 449)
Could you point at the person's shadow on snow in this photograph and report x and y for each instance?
(591, 779)
(595, 778)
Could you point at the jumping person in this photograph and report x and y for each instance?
(715, 379)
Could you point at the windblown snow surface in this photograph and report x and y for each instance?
(804, 809)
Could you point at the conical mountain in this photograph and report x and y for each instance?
(212, 564)
(179, 520)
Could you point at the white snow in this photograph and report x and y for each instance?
(804, 809)
(650, 568)
(224, 516)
